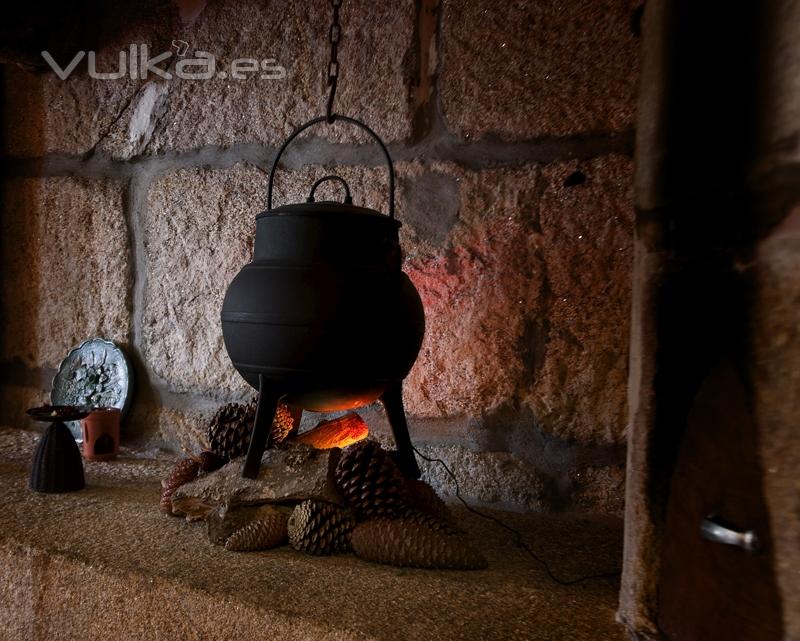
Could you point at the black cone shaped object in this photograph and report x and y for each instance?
(57, 463)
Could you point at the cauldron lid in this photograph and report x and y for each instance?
(327, 208)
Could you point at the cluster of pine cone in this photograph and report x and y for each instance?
(398, 521)
(386, 517)
(230, 428)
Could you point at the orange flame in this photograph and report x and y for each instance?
(339, 432)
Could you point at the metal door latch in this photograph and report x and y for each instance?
(712, 529)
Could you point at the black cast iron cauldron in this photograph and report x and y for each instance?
(323, 317)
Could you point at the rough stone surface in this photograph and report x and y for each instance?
(533, 69)
(44, 114)
(526, 326)
(599, 489)
(487, 477)
(294, 474)
(199, 225)
(65, 263)
(374, 69)
(531, 302)
(776, 332)
(155, 424)
(431, 203)
(476, 296)
(126, 118)
(779, 132)
(15, 399)
(578, 384)
(108, 549)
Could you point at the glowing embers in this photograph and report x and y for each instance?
(339, 432)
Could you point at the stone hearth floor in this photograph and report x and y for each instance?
(104, 563)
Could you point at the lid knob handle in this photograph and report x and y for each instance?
(348, 200)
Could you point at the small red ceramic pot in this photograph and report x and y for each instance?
(101, 434)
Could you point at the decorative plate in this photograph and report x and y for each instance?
(94, 374)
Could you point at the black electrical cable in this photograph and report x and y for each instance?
(520, 543)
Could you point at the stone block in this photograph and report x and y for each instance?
(224, 111)
(475, 293)
(65, 267)
(199, 232)
(493, 276)
(152, 425)
(529, 303)
(290, 475)
(599, 489)
(487, 477)
(126, 117)
(107, 550)
(577, 386)
(535, 69)
(45, 114)
(776, 339)
(15, 399)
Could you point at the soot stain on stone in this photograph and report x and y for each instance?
(533, 345)
(574, 179)
(432, 206)
(636, 20)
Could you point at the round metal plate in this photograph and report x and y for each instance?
(94, 374)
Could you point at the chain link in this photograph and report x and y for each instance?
(334, 36)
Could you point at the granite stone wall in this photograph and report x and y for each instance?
(128, 206)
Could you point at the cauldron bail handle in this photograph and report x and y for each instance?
(334, 118)
(348, 199)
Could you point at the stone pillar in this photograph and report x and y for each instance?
(775, 331)
(717, 264)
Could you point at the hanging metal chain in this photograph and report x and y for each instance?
(334, 36)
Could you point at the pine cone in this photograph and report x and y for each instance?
(429, 521)
(423, 498)
(165, 505)
(182, 472)
(318, 527)
(230, 428)
(282, 424)
(209, 461)
(266, 532)
(370, 481)
(418, 541)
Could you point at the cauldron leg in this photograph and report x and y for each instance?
(392, 400)
(268, 398)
